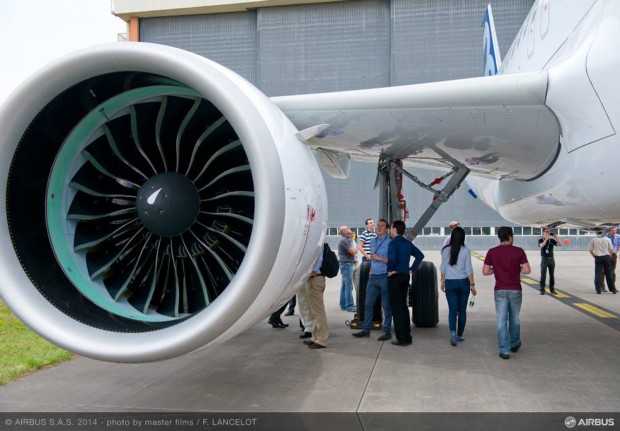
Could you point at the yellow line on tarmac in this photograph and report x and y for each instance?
(477, 255)
(528, 280)
(558, 294)
(594, 310)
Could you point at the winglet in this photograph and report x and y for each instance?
(492, 59)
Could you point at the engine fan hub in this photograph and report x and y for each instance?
(168, 204)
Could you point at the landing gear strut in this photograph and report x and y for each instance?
(423, 292)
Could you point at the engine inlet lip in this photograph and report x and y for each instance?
(247, 111)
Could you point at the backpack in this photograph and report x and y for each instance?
(330, 265)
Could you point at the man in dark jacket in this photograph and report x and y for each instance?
(400, 251)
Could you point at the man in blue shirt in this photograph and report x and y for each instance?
(378, 283)
(400, 251)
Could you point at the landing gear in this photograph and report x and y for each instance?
(423, 292)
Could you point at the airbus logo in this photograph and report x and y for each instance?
(153, 197)
(571, 422)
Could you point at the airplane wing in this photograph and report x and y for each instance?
(498, 126)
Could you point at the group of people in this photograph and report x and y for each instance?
(506, 263)
(389, 253)
(390, 271)
(389, 256)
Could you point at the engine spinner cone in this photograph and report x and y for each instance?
(168, 204)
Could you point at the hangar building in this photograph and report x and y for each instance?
(287, 47)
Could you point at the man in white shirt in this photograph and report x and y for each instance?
(601, 250)
(615, 243)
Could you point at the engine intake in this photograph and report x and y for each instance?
(154, 200)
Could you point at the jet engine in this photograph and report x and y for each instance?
(153, 202)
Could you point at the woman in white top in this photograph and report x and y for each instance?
(457, 279)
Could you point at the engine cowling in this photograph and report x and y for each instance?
(153, 202)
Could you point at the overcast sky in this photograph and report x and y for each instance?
(33, 32)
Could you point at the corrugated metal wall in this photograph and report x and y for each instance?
(327, 47)
(437, 40)
(230, 39)
(353, 45)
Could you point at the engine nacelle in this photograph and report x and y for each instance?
(153, 202)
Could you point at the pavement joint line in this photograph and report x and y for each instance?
(357, 410)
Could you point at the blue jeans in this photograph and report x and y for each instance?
(507, 309)
(377, 285)
(457, 293)
(346, 286)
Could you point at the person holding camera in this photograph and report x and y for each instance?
(546, 244)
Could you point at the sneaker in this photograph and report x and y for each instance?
(453, 339)
(385, 336)
(542, 291)
(515, 349)
(553, 292)
(460, 339)
(504, 355)
(361, 334)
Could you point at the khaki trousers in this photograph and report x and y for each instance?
(304, 308)
(314, 291)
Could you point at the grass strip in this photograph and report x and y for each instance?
(22, 351)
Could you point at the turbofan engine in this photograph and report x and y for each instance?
(153, 202)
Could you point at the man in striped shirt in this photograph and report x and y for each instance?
(363, 244)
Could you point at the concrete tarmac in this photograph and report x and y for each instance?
(568, 363)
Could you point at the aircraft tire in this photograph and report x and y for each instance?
(424, 296)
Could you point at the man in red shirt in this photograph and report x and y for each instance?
(507, 262)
